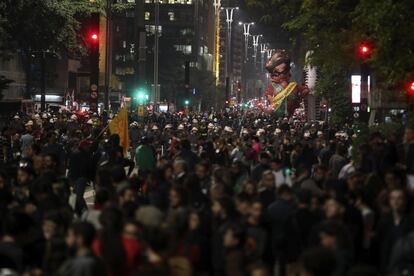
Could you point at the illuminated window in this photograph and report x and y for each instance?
(147, 15)
(185, 49)
(171, 16)
(187, 31)
(151, 29)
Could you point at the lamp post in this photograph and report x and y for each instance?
(269, 53)
(246, 33)
(156, 92)
(255, 45)
(229, 19)
(263, 49)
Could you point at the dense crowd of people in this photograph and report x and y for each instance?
(231, 193)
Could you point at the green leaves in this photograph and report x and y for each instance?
(42, 25)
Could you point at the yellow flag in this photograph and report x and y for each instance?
(119, 125)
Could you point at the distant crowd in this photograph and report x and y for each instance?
(227, 193)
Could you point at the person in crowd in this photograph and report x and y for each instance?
(257, 172)
(82, 262)
(145, 157)
(282, 174)
(234, 192)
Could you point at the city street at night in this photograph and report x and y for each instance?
(206, 137)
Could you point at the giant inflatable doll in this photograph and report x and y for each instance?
(283, 94)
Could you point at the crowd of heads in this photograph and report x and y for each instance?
(226, 193)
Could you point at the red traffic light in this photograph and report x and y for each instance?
(94, 37)
(364, 50)
(410, 88)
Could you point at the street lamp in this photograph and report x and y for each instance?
(217, 6)
(156, 92)
(263, 49)
(255, 45)
(229, 19)
(269, 53)
(246, 33)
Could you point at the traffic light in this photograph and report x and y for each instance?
(94, 37)
(364, 50)
(410, 88)
(141, 95)
(187, 102)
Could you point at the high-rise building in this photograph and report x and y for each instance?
(186, 36)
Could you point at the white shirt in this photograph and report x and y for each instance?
(281, 179)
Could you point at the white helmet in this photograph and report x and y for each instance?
(181, 127)
(155, 127)
(228, 129)
(169, 126)
(73, 117)
(260, 132)
(90, 122)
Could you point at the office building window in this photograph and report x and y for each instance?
(130, 14)
(185, 49)
(188, 2)
(171, 16)
(124, 44)
(151, 29)
(186, 31)
(147, 15)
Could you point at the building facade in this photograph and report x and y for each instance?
(186, 36)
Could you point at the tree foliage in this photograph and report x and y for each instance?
(42, 25)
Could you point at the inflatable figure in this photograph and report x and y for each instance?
(283, 95)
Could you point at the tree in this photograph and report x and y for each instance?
(389, 26)
(30, 27)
